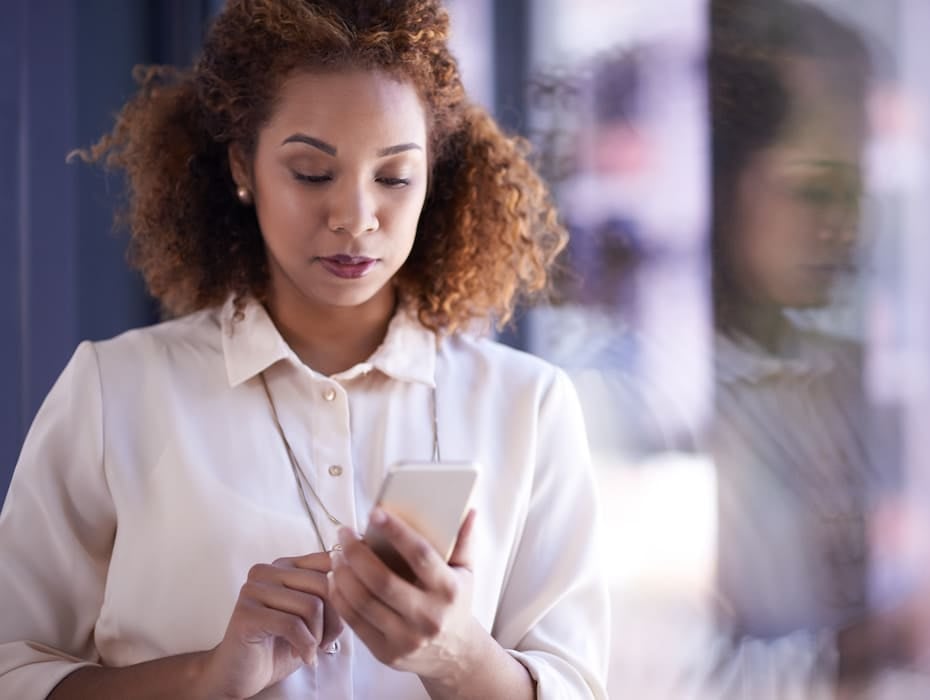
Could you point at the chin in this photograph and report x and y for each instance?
(807, 301)
(807, 292)
(345, 298)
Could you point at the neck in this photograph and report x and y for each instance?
(765, 324)
(331, 339)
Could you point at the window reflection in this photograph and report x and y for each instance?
(736, 359)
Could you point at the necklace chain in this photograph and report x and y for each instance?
(303, 481)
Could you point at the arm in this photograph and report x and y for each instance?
(487, 672)
(172, 677)
(553, 614)
(57, 530)
(56, 533)
(713, 651)
(279, 621)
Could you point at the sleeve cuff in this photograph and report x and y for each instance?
(556, 679)
(36, 678)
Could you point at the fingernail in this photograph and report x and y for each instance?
(337, 559)
(345, 536)
(378, 517)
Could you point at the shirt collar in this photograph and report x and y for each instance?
(252, 343)
(741, 359)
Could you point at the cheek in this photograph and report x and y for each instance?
(760, 259)
(772, 228)
(769, 249)
(402, 217)
(285, 212)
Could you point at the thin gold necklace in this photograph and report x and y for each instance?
(303, 482)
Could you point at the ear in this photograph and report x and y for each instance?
(238, 166)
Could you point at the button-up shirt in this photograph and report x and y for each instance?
(154, 477)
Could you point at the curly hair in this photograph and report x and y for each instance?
(488, 233)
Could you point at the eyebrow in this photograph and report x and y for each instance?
(310, 141)
(332, 150)
(400, 148)
(826, 164)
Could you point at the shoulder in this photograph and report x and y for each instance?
(838, 354)
(834, 344)
(198, 329)
(188, 340)
(491, 364)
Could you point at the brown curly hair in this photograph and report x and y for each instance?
(488, 219)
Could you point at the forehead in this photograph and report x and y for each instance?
(349, 108)
(825, 122)
(812, 153)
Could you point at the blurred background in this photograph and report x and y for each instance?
(629, 128)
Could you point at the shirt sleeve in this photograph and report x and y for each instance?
(701, 656)
(56, 534)
(553, 614)
(798, 665)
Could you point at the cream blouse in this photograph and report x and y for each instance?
(153, 478)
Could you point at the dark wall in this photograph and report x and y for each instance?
(38, 207)
(12, 377)
(65, 69)
(114, 36)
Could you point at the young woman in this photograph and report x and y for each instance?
(328, 219)
(794, 436)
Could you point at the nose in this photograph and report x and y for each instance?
(351, 210)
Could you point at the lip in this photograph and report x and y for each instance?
(348, 266)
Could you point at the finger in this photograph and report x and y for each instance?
(370, 585)
(464, 544)
(419, 554)
(317, 561)
(306, 606)
(362, 601)
(332, 624)
(405, 598)
(262, 622)
(298, 579)
(372, 637)
(307, 574)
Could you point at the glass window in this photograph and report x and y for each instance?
(743, 311)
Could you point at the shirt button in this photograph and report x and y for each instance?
(329, 394)
(332, 648)
(335, 470)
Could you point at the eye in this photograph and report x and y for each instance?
(312, 179)
(818, 195)
(394, 182)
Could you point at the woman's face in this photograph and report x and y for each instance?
(339, 178)
(796, 209)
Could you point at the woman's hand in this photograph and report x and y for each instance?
(281, 619)
(424, 627)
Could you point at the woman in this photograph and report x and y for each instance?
(793, 437)
(326, 215)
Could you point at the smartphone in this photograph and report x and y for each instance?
(431, 497)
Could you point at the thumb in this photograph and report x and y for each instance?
(462, 552)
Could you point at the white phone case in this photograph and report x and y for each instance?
(431, 497)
